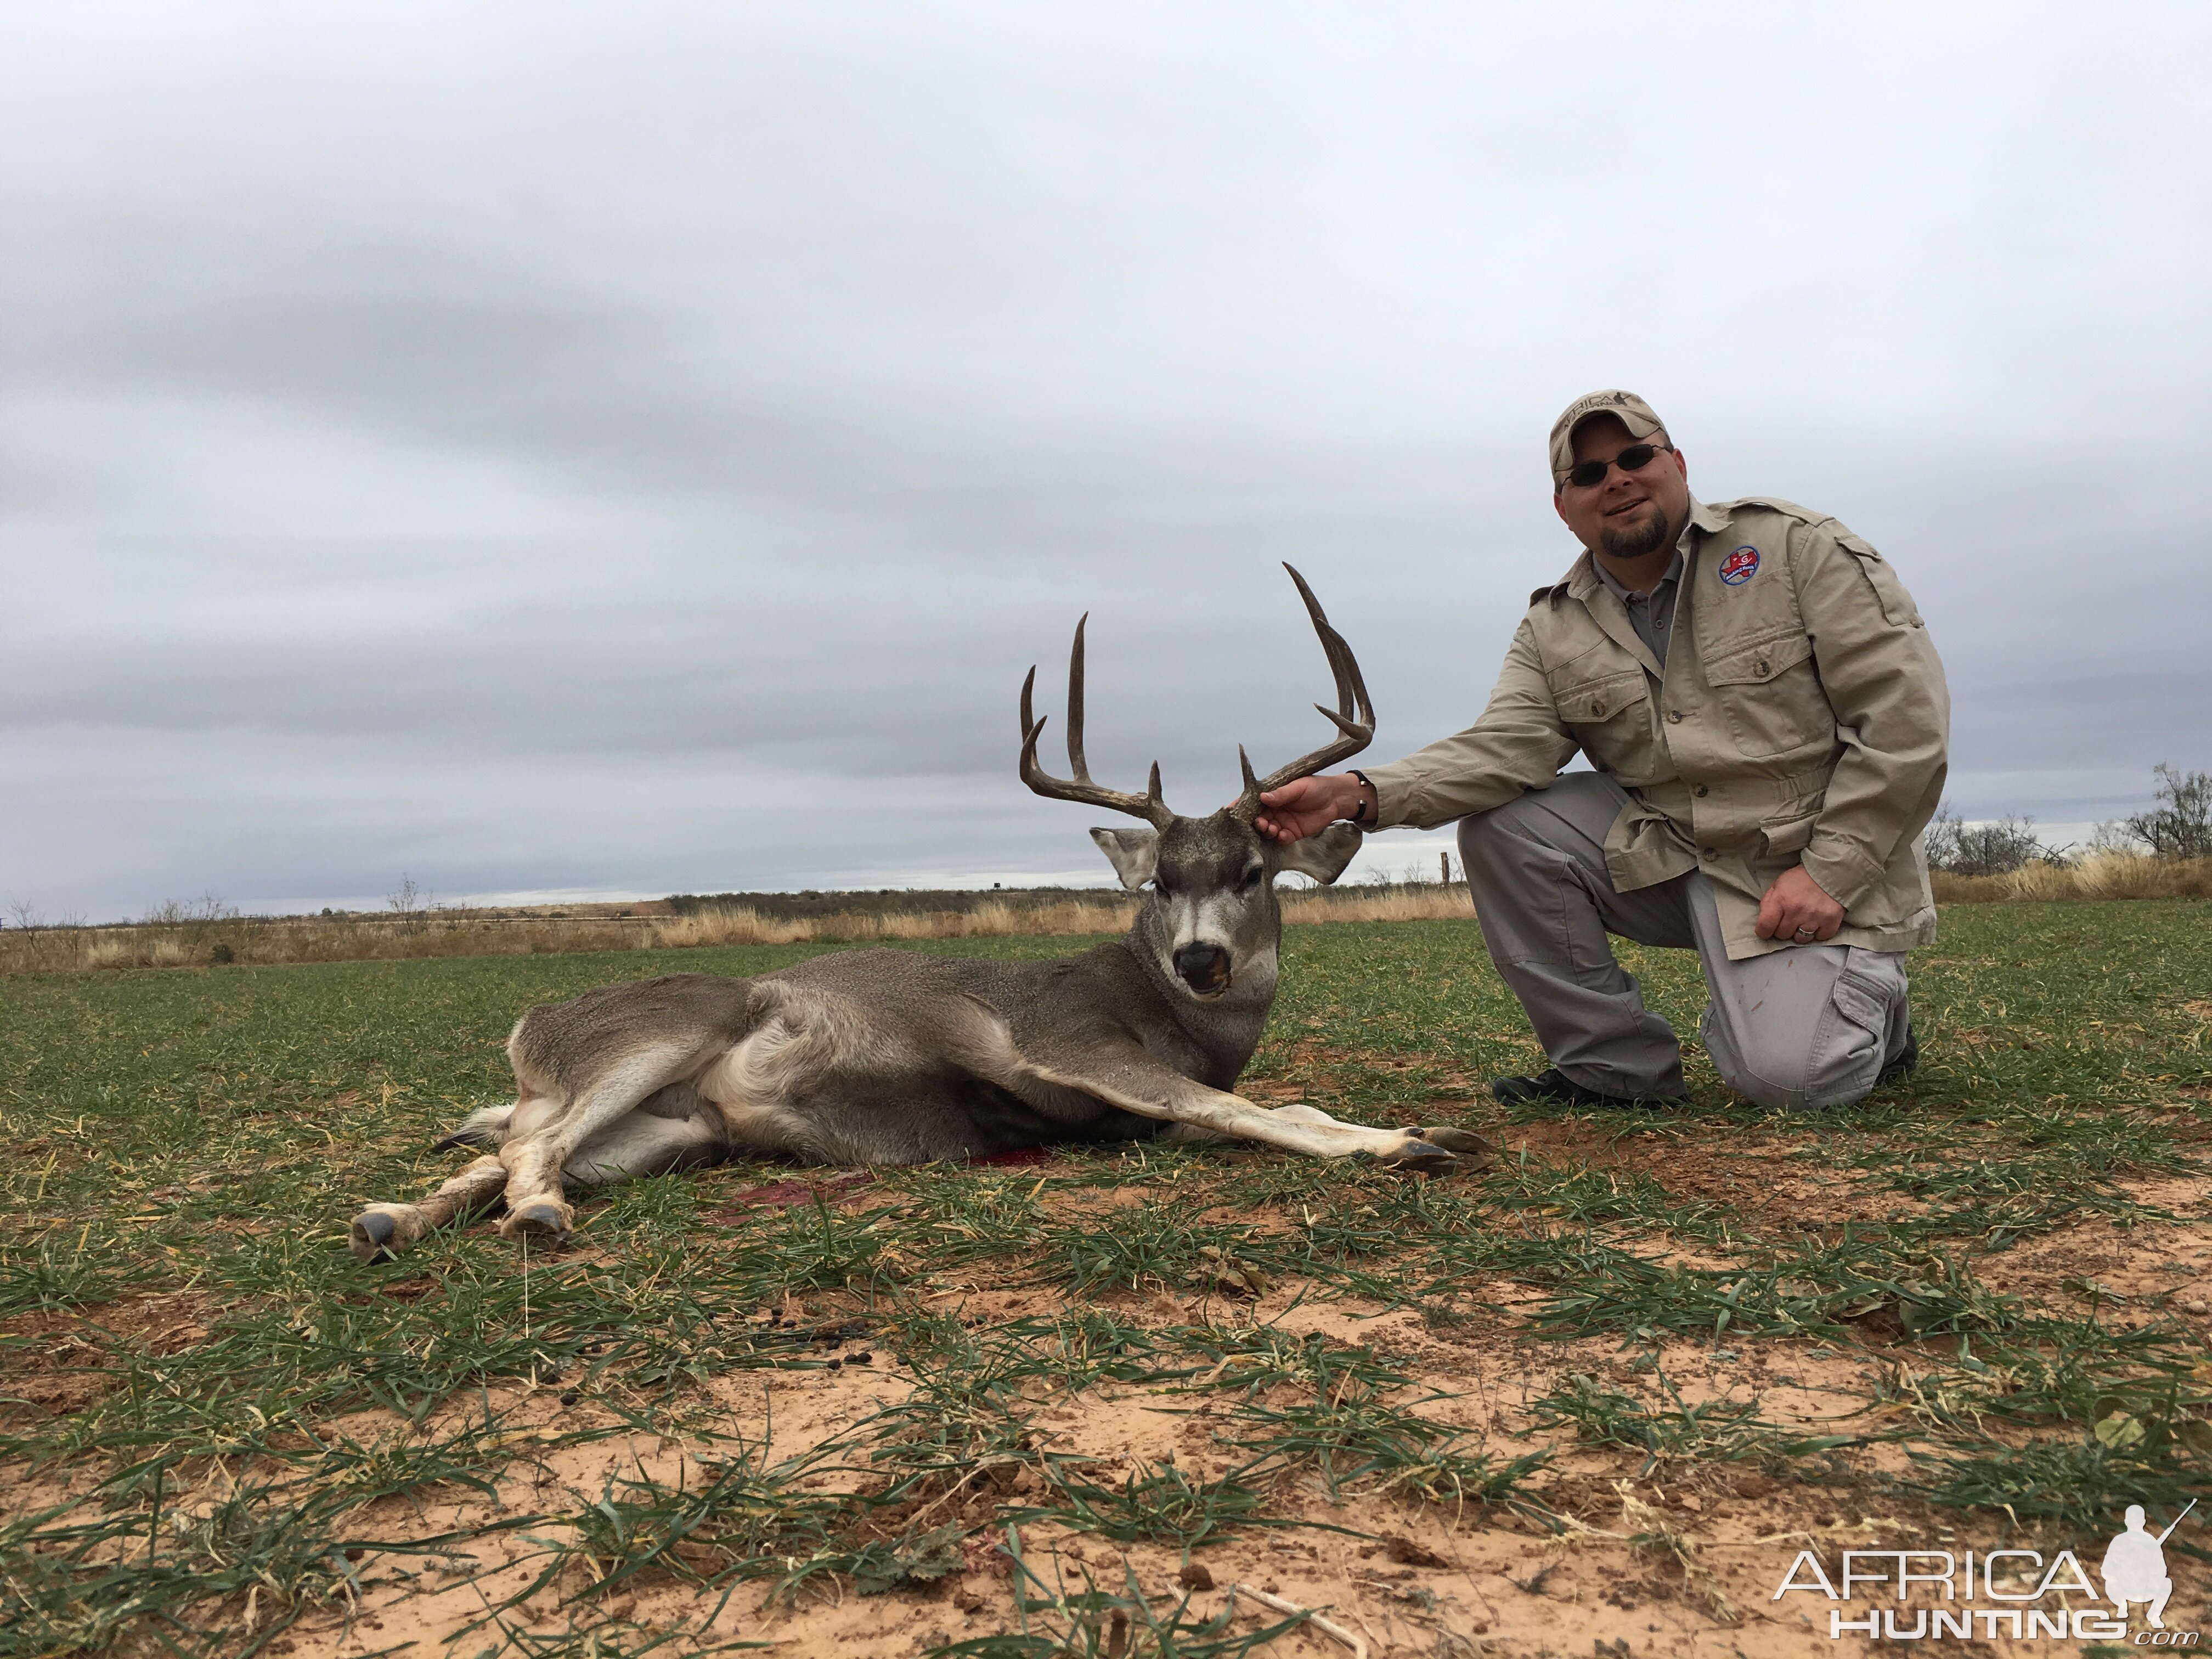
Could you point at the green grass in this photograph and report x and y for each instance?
(196, 1139)
(1677, 1433)
(1060, 1621)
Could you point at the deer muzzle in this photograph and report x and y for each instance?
(1204, 967)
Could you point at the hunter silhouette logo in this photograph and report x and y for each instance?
(1922, 1594)
(2135, 1567)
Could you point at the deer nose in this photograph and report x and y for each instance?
(1204, 967)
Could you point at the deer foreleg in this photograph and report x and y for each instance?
(1296, 1112)
(1149, 1091)
(1302, 1129)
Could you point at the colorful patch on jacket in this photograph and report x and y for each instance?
(1739, 567)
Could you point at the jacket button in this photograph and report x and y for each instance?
(1762, 671)
(1710, 854)
(1700, 792)
(1596, 710)
(1674, 716)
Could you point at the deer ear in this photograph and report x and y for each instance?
(1132, 853)
(1322, 856)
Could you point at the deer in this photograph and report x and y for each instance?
(887, 1057)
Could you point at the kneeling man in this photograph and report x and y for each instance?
(1768, 721)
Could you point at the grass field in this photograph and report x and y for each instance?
(1599, 1396)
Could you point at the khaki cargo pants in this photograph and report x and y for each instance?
(1811, 1025)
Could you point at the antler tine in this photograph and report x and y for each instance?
(1149, 805)
(1353, 716)
(1244, 764)
(1340, 663)
(1075, 703)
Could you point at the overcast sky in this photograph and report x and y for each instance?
(632, 449)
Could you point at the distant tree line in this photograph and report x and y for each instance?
(2178, 827)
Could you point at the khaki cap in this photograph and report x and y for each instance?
(1627, 407)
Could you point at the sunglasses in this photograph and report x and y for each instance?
(1588, 474)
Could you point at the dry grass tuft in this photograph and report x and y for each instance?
(2101, 876)
(213, 936)
(738, 925)
(1420, 901)
(203, 942)
(743, 925)
(213, 941)
(219, 937)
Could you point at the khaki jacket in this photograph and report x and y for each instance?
(1801, 717)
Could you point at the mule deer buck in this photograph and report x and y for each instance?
(894, 1057)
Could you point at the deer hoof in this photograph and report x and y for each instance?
(545, 1220)
(1470, 1147)
(382, 1230)
(1423, 1156)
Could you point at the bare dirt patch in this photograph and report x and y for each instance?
(1411, 1577)
(58, 1363)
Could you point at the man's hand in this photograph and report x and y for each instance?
(1796, 909)
(1305, 806)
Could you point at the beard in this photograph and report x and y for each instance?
(1634, 541)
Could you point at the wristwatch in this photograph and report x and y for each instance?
(1359, 812)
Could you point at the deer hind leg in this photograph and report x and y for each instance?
(675, 1129)
(536, 1160)
(386, 1229)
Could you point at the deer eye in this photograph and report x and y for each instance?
(1252, 876)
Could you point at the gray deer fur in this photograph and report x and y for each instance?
(894, 1057)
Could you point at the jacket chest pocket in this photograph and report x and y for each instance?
(1771, 695)
(1611, 718)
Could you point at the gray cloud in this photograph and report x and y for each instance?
(549, 448)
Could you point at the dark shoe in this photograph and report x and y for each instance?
(1555, 1084)
(1907, 1059)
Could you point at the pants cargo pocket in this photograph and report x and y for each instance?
(1852, 1036)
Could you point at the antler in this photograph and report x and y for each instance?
(1353, 716)
(1148, 806)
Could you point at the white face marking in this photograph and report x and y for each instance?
(1210, 920)
(1232, 921)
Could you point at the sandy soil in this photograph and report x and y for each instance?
(1426, 1580)
(1712, 1541)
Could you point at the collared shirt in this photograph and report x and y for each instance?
(1804, 721)
(1651, 614)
